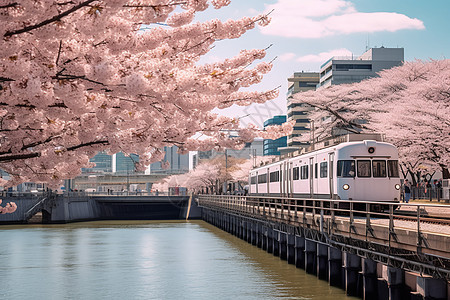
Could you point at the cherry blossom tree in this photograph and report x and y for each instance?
(8, 208)
(409, 103)
(81, 76)
(213, 173)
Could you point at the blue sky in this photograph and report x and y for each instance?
(305, 33)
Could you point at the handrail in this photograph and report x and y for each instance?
(29, 213)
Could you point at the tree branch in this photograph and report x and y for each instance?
(48, 21)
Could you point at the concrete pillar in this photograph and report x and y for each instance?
(310, 256)
(291, 248)
(259, 235)
(270, 234)
(276, 243)
(370, 282)
(264, 238)
(241, 229)
(352, 266)
(282, 239)
(322, 261)
(254, 233)
(334, 267)
(299, 252)
(395, 279)
(432, 289)
(244, 230)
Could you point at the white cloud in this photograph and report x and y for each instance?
(319, 18)
(287, 56)
(324, 56)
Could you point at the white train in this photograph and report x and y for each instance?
(365, 170)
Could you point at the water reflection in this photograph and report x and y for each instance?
(145, 260)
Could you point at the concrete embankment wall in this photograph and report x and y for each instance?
(359, 275)
(81, 207)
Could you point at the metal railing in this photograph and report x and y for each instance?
(298, 210)
(368, 228)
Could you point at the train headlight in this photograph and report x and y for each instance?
(397, 186)
(371, 150)
(345, 186)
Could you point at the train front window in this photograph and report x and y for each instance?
(393, 168)
(363, 168)
(379, 168)
(346, 168)
(253, 180)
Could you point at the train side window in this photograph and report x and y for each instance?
(363, 168)
(315, 170)
(346, 168)
(304, 172)
(323, 169)
(253, 180)
(274, 176)
(262, 178)
(295, 174)
(379, 168)
(393, 168)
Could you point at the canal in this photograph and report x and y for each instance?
(145, 260)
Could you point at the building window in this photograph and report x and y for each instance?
(347, 67)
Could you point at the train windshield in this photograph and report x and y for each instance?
(379, 168)
(393, 168)
(346, 168)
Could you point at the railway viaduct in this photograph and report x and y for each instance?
(372, 255)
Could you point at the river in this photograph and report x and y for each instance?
(145, 260)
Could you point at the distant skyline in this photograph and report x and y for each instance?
(304, 34)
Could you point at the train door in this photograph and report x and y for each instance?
(282, 175)
(257, 182)
(311, 177)
(331, 173)
(290, 187)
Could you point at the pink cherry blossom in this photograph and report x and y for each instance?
(82, 76)
(410, 104)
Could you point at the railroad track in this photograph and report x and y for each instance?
(411, 216)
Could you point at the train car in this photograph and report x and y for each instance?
(364, 170)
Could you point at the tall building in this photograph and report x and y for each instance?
(177, 163)
(336, 70)
(299, 82)
(254, 148)
(271, 146)
(339, 70)
(124, 164)
(103, 163)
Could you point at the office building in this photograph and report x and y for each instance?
(339, 70)
(176, 163)
(299, 82)
(271, 146)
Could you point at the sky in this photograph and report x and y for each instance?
(303, 34)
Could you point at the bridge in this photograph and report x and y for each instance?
(82, 206)
(402, 252)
